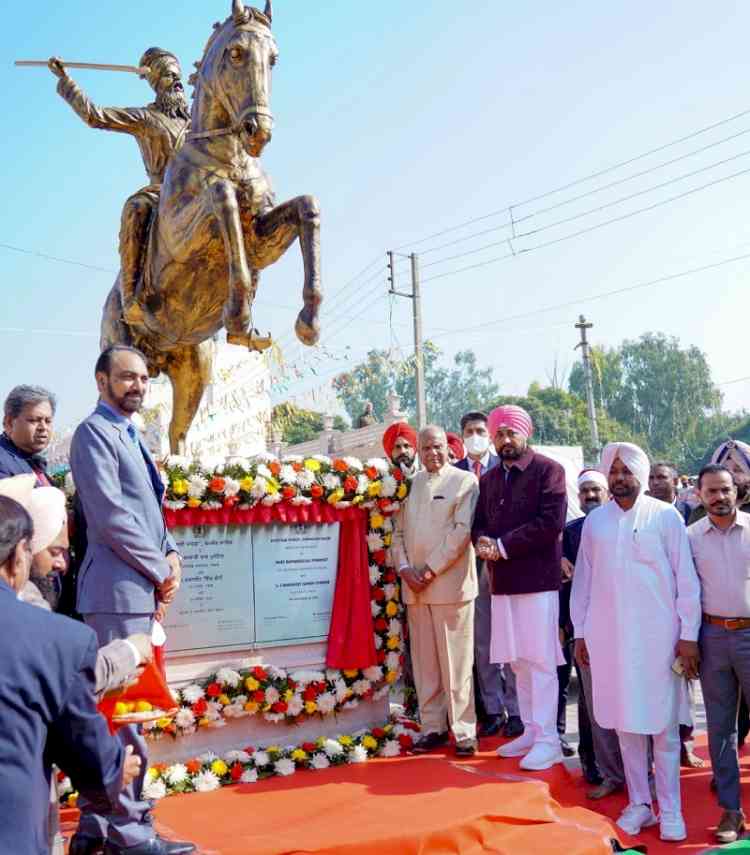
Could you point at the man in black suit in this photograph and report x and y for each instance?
(495, 684)
(47, 708)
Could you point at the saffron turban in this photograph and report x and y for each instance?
(19, 488)
(736, 450)
(592, 476)
(456, 445)
(47, 510)
(632, 456)
(394, 431)
(510, 416)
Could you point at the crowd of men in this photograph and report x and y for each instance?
(506, 586)
(650, 586)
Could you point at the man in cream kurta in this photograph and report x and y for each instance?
(433, 551)
(635, 605)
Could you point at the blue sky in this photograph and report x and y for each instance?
(406, 120)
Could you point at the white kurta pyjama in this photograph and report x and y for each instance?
(635, 594)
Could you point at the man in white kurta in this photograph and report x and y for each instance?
(635, 606)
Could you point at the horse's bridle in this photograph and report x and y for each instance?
(238, 120)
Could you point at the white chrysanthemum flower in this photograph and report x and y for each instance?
(353, 463)
(321, 458)
(197, 486)
(390, 748)
(373, 673)
(301, 500)
(264, 471)
(376, 609)
(275, 673)
(231, 486)
(305, 479)
(192, 693)
(265, 457)
(374, 571)
(249, 776)
(331, 481)
(178, 461)
(228, 677)
(273, 499)
(176, 773)
(361, 687)
(333, 748)
(332, 674)
(363, 482)
(387, 524)
(272, 695)
(184, 718)
(307, 676)
(274, 717)
(358, 754)
(292, 458)
(206, 781)
(295, 706)
(261, 758)
(394, 626)
(154, 790)
(174, 506)
(285, 766)
(207, 757)
(326, 702)
(236, 757)
(374, 541)
(235, 710)
(393, 661)
(259, 488)
(287, 475)
(341, 690)
(319, 761)
(351, 705)
(213, 465)
(379, 464)
(388, 487)
(390, 591)
(212, 506)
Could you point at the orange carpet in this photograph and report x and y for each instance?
(427, 805)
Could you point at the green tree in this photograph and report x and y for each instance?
(300, 425)
(660, 391)
(450, 391)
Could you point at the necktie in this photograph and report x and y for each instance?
(150, 468)
(478, 468)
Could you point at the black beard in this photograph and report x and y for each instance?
(173, 103)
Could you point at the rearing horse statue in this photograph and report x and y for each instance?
(218, 224)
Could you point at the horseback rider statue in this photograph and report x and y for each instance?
(159, 129)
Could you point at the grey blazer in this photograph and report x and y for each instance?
(127, 539)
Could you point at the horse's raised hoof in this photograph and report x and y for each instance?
(251, 340)
(307, 333)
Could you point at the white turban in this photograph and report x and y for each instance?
(592, 476)
(736, 450)
(19, 488)
(47, 510)
(632, 456)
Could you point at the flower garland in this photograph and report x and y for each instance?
(209, 771)
(275, 694)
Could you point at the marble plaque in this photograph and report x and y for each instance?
(213, 608)
(294, 572)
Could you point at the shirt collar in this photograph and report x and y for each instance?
(112, 415)
(741, 519)
(522, 462)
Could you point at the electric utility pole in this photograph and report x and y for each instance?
(416, 299)
(584, 325)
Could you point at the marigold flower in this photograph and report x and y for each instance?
(376, 521)
(219, 768)
(260, 673)
(393, 642)
(193, 502)
(374, 488)
(336, 496)
(369, 743)
(289, 492)
(179, 486)
(298, 755)
(193, 766)
(251, 684)
(224, 700)
(213, 690)
(391, 677)
(275, 467)
(312, 465)
(340, 465)
(246, 484)
(316, 491)
(310, 707)
(350, 672)
(217, 484)
(350, 484)
(401, 492)
(391, 609)
(251, 707)
(346, 740)
(236, 771)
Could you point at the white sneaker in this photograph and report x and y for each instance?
(519, 746)
(671, 826)
(636, 817)
(542, 756)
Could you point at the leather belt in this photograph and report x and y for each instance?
(727, 623)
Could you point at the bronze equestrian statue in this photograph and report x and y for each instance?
(217, 224)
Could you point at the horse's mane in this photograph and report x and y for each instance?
(252, 14)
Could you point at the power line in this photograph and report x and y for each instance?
(595, 227)
(660, 280)
(509, 208)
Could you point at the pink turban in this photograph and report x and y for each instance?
(510, 416)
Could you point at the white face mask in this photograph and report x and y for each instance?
(477, 444)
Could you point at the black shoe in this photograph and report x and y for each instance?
(83, 844)
(156, 846)
(513, 727)
(493, 724)
(566, 747)
(591, 774)
(466, 748)
(429, 741)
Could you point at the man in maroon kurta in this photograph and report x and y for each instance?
(518, 530)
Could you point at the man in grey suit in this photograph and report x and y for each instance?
(131, 566)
